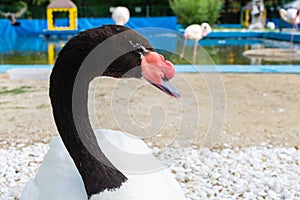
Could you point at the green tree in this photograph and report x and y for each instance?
(40, 2)
(196, 11)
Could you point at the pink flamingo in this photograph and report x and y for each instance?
(291, 16)
(195, 32)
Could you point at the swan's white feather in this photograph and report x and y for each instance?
(58, 178)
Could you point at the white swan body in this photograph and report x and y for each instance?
(58, 178)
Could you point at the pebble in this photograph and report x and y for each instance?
(17, 164)
(260, 172)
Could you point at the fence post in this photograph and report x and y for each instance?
(147, 10)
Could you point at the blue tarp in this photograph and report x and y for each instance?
(279, 22)
(160, 38)
(23, 44)
(39, 26)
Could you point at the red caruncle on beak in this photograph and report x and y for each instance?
(158, 72)
(155, 67)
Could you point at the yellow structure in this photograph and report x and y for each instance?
(246, 18)
(66, 6)
(53, 49)
(51, 54)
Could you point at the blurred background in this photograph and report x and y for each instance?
(231, 11)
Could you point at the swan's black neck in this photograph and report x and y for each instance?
(69, 83)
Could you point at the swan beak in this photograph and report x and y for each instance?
(167, 87)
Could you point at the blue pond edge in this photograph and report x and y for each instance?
(289, 69)
(282, 36)
(5, 67)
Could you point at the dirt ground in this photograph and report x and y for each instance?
(215, 110)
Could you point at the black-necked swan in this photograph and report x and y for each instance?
(78, 165)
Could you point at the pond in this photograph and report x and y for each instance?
(39, 50)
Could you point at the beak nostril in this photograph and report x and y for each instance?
(164, 78)
(139, 48)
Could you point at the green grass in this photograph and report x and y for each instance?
(14, 91)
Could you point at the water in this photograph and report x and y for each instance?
(39, 50)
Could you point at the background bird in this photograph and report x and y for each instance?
(271, 25)
(120, 15)
(13, 16)
(195, 32)
(291, 16)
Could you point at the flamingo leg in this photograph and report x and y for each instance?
(195, 51)
(292, 36)
(182, 52)
(295, 27)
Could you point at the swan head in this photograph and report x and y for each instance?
(158, 71)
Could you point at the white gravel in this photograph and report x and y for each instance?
(262, 172)
(17, 164)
